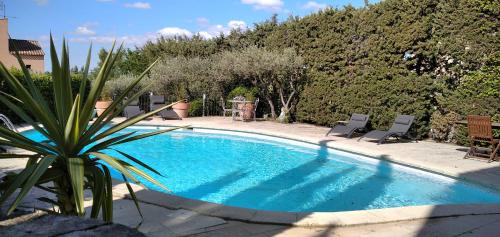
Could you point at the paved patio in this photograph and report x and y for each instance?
(161, 220)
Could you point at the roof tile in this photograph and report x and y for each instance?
(25, 47)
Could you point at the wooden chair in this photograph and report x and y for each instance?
(480, 131)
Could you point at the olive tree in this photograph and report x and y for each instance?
(184, 77)
(277, 74)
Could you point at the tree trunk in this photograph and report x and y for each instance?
(285, 107)
(271, 106)
(65, 196)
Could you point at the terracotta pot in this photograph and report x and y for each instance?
(248, 111)
(101, 105)
(181, 109)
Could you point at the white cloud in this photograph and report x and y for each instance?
(205, 35)
(208, 32)
(272, 5)
(84, 30)
(216, 30)
(233, 24)
(314, 5)
(131, 40)
(41, 2)
(138, 5)
(174, 31)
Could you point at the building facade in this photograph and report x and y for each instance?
(30, 50)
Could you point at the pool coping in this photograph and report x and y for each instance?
(312, 219)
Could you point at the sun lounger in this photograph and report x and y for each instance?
(356, 123)
(169, 114)
(400, 128)
(157, 101)
(132, 110)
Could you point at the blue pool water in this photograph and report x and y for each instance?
(271, 175)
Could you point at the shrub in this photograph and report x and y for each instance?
(184, 78)
(44, 83)
(443, 126)
(478, 93)
(249, 93)
(118, 85)
(196, 108)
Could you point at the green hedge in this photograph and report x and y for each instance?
(44, 83)
(426, 58)
(326, 100)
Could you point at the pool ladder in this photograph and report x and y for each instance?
(8, 123)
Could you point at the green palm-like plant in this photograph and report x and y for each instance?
(72, 157)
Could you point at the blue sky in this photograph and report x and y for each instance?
(135, 22)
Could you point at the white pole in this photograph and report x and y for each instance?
(204, 98)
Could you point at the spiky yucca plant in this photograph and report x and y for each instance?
(72, 158)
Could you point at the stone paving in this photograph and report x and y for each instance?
(443, 158)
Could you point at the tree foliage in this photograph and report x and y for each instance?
(396, 56)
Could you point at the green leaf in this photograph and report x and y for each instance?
(72, 130)
(138, 162)
(125, 92)
(95, 90)
(56, 78)
(20, 112)
(113, 162)
(149, 134)
(105, 144)
(76, 171)
(17, 140)
(30, 104)
(40, 168)
(83, 83)
(29, 81)
(142, 174)
(130, 122)
(16, 183)
(98, 189)
(101, 121)
(132, 194)
(108, 196)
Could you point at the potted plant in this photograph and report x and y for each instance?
(105, 100)
(75, 158)
(248, 107)
(181, 108)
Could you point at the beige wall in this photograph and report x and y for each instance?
(9, 60)
(36, 62)
(4, 41)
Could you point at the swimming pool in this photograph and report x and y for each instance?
(267, 173)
